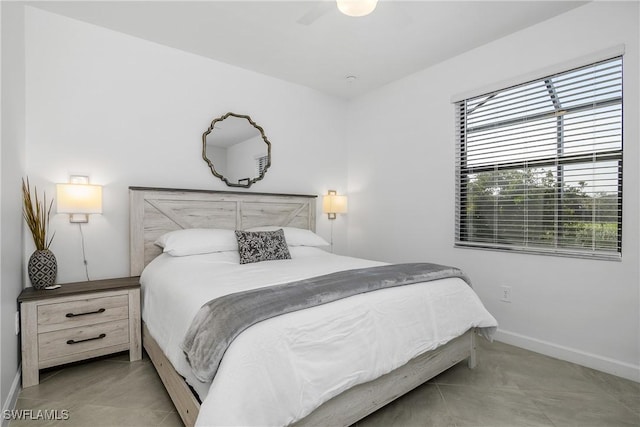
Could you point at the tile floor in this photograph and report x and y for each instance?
(510, 387)
(108, 391)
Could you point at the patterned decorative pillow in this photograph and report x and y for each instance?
(256, 246)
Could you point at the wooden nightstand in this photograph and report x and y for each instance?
(78, 321)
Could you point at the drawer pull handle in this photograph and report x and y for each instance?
(102, 310)
(99, 337)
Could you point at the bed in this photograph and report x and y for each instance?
(314, 381)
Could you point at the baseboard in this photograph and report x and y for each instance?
(590, 360)
(12, 398)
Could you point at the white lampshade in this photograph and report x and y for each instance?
(79, 199)
(333, 204)
(356, 7)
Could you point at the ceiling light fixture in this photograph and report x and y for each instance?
(356, 7)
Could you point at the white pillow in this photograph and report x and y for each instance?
(194, 241)
(295, 236)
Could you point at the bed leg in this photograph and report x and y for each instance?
(472, 351)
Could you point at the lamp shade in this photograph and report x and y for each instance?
(334, 204)
(79, 198)
(356, 7)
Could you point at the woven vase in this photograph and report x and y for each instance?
(43, 268)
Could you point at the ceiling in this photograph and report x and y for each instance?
(310, 42)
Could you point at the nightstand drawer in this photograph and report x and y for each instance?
(72, 314)
(58, 344)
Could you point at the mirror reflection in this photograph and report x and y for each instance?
(236, 150)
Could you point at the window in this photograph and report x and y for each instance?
(539, 165)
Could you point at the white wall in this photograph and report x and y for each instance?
(401, 188)
(12, 163)
(126, 112)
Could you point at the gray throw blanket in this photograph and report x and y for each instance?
(222, 319)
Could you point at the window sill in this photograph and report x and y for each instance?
(598, 256)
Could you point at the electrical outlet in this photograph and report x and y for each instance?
(17, 322)
(506, 293)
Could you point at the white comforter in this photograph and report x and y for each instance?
(281, 369)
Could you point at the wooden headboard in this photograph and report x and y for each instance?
(155, 211)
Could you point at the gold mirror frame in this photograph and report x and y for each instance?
(250, 181)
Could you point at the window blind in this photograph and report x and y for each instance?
(539, 165)
(261, 164)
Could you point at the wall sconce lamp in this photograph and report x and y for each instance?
(79, 199)
(333, 204)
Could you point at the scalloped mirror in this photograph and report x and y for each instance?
(236, 150)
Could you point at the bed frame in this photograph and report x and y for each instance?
(155, 211)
